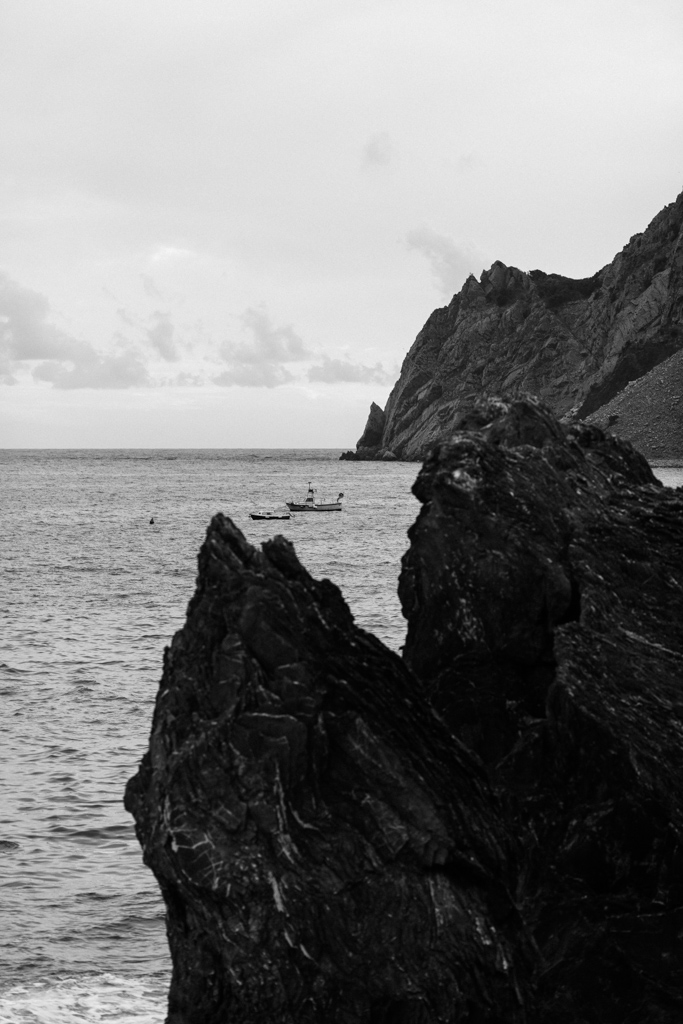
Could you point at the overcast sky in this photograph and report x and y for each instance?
(225, 221)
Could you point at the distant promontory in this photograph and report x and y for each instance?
(578, 345)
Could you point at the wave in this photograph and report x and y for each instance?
(86, 999)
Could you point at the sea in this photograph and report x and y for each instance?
(91, 591)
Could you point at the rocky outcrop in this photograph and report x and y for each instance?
(573, 343)
(374, 428)
(369, 446)
(543, 590)
(327, 851)
(488, 830)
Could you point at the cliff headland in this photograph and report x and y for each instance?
(575, 344)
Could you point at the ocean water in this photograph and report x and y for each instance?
(90, 593)
(670, 476)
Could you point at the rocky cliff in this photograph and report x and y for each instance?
(488, 830)
(573, 343)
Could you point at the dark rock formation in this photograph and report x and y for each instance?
(489, 830)
(573, 343)
(327, 851)
(544, 595)
(374, 428)
(369, 447)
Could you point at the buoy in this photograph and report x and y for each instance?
(151, 522)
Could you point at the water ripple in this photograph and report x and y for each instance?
(91, 595)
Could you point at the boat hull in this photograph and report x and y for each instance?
(332, 506)
(264, 515)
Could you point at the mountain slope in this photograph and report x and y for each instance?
(649, 412)
(574, 343)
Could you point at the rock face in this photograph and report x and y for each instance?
(573, 343)
(327, 851)
(488, 830)
(543, 590)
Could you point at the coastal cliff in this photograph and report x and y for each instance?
(487, 830)
(575, 344)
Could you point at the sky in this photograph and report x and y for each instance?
(223, 222)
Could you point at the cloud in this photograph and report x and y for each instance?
(264, 355)
(126, 317)
(161, 337)
(378, 151)
(184, 379)
(26, 336)
(124, 370)
(335, 371)
(24, 330)
(149, 287)
(259, 360)
(267, 344)
(450, 264)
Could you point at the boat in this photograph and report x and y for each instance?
(270, 515)
(311, 505)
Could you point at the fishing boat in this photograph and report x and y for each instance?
(311, 505)
(270, 515)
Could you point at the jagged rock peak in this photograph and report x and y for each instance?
(374, 428)
(327, 850)
(370, 444)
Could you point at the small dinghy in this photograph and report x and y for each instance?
(311, 505)
(270, 515)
